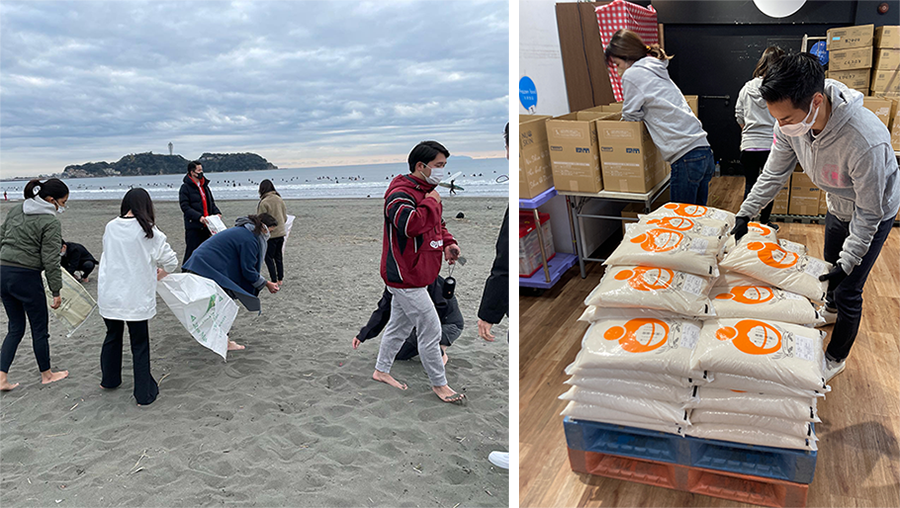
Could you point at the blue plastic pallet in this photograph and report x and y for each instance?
(768, 462)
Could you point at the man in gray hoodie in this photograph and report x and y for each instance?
(846, 151)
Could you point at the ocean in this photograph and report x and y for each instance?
(480, 178)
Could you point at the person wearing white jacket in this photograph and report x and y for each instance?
(757, 127)
(133, 250)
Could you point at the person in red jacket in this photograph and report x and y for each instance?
(416, 242)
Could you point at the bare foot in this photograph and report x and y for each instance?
(85, 280)
(5, 386)
(280, 283)
(384, 377)
(445, 358)
(49, 376)
(234, 346)
(447, 394)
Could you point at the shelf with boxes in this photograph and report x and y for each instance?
(865, 58)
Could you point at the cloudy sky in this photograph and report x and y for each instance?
(302, 83)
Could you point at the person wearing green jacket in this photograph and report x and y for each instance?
(270, 202)
(29, 244)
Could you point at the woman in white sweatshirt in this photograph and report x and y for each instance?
(757, 126)
(133, 249)
(652, 97)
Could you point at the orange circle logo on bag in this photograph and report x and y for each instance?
(640, 335)
(644, 278)
(773, 255)
(752, 337)
(658, 240)
(676, 223)
(750, 295)
(763, 230)
(686, 210)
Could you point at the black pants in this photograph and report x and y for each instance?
(192, 239)
(274, 260)
(86, 268)
(22, 292)
(410, 348)
(145, 387)
(847, 297)
(753, 163)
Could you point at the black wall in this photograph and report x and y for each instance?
(716, 45)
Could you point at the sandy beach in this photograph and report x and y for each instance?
(295, 419)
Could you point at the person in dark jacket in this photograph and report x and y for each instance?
(74, 257)
(234, 258)
(495, 298)
(197, 203)
(448, 312)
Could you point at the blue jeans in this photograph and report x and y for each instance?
(690, 176)
(847, 297)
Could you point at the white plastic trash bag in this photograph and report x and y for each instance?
(288, 224)
(77, 304)
(655, 288)
(202, 307)
(215, 224)
(770, 263)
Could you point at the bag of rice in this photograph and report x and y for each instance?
(666, 248)
(756, 231)
(790, 408)
(788, 245)
(633, 388)
(723, 381)
(654, 288)
(702, 227)
(729, 278)
(649, 377)
(593, 313)
(784, 353)
(581, 411)
(770, 423)
(648, 408)
(763, 302)
(642, 344)
(770, 263)
(750, 435)
(695, 212)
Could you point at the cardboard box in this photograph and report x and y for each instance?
(864, 91)
(895, 130)
(856, 78)
(782, 199)
(849, 37)
(885, 81)
(847, 59)
(630, 160)
(694, 102)
(805, 196)
(886, 59)
(823, 204)
(574, 153)
(530, 247)
(535, 175)
(881, 107)
(887, 37)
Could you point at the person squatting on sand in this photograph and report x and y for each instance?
(133, 249)
(414, 242)
(448, 312)
(270, 202)
(197, 203)
(74, 257)
(234, 258)
(29, 243)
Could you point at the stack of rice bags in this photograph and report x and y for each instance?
(646, 317)
(764, 360)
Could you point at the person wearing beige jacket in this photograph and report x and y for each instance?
(270, 202)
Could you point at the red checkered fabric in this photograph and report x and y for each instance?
(621, 14)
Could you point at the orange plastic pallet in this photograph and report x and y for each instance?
(736, 487)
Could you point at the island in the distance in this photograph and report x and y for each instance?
(141, 164)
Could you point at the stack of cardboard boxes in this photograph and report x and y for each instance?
(799, 196)
(886, 73)
(850, 55)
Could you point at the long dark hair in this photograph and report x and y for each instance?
(267, 186)
(259, 220)
(629, 46)
(769, 56)
(138, 201)
(52, 188)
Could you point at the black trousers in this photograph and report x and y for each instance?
(86, 268)
(22, 292)
(145, 387)
(753, 163)
(274, 259)
(192, 239)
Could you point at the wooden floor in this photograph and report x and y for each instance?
(858, 458)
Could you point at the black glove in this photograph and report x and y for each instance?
(740, 227)
(834, 277)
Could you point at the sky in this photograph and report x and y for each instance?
(301, 83)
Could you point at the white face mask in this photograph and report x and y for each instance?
(437, 174)
(798, 129)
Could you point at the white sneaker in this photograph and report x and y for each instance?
(499, 459)
(830, 316)
(833, 368)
